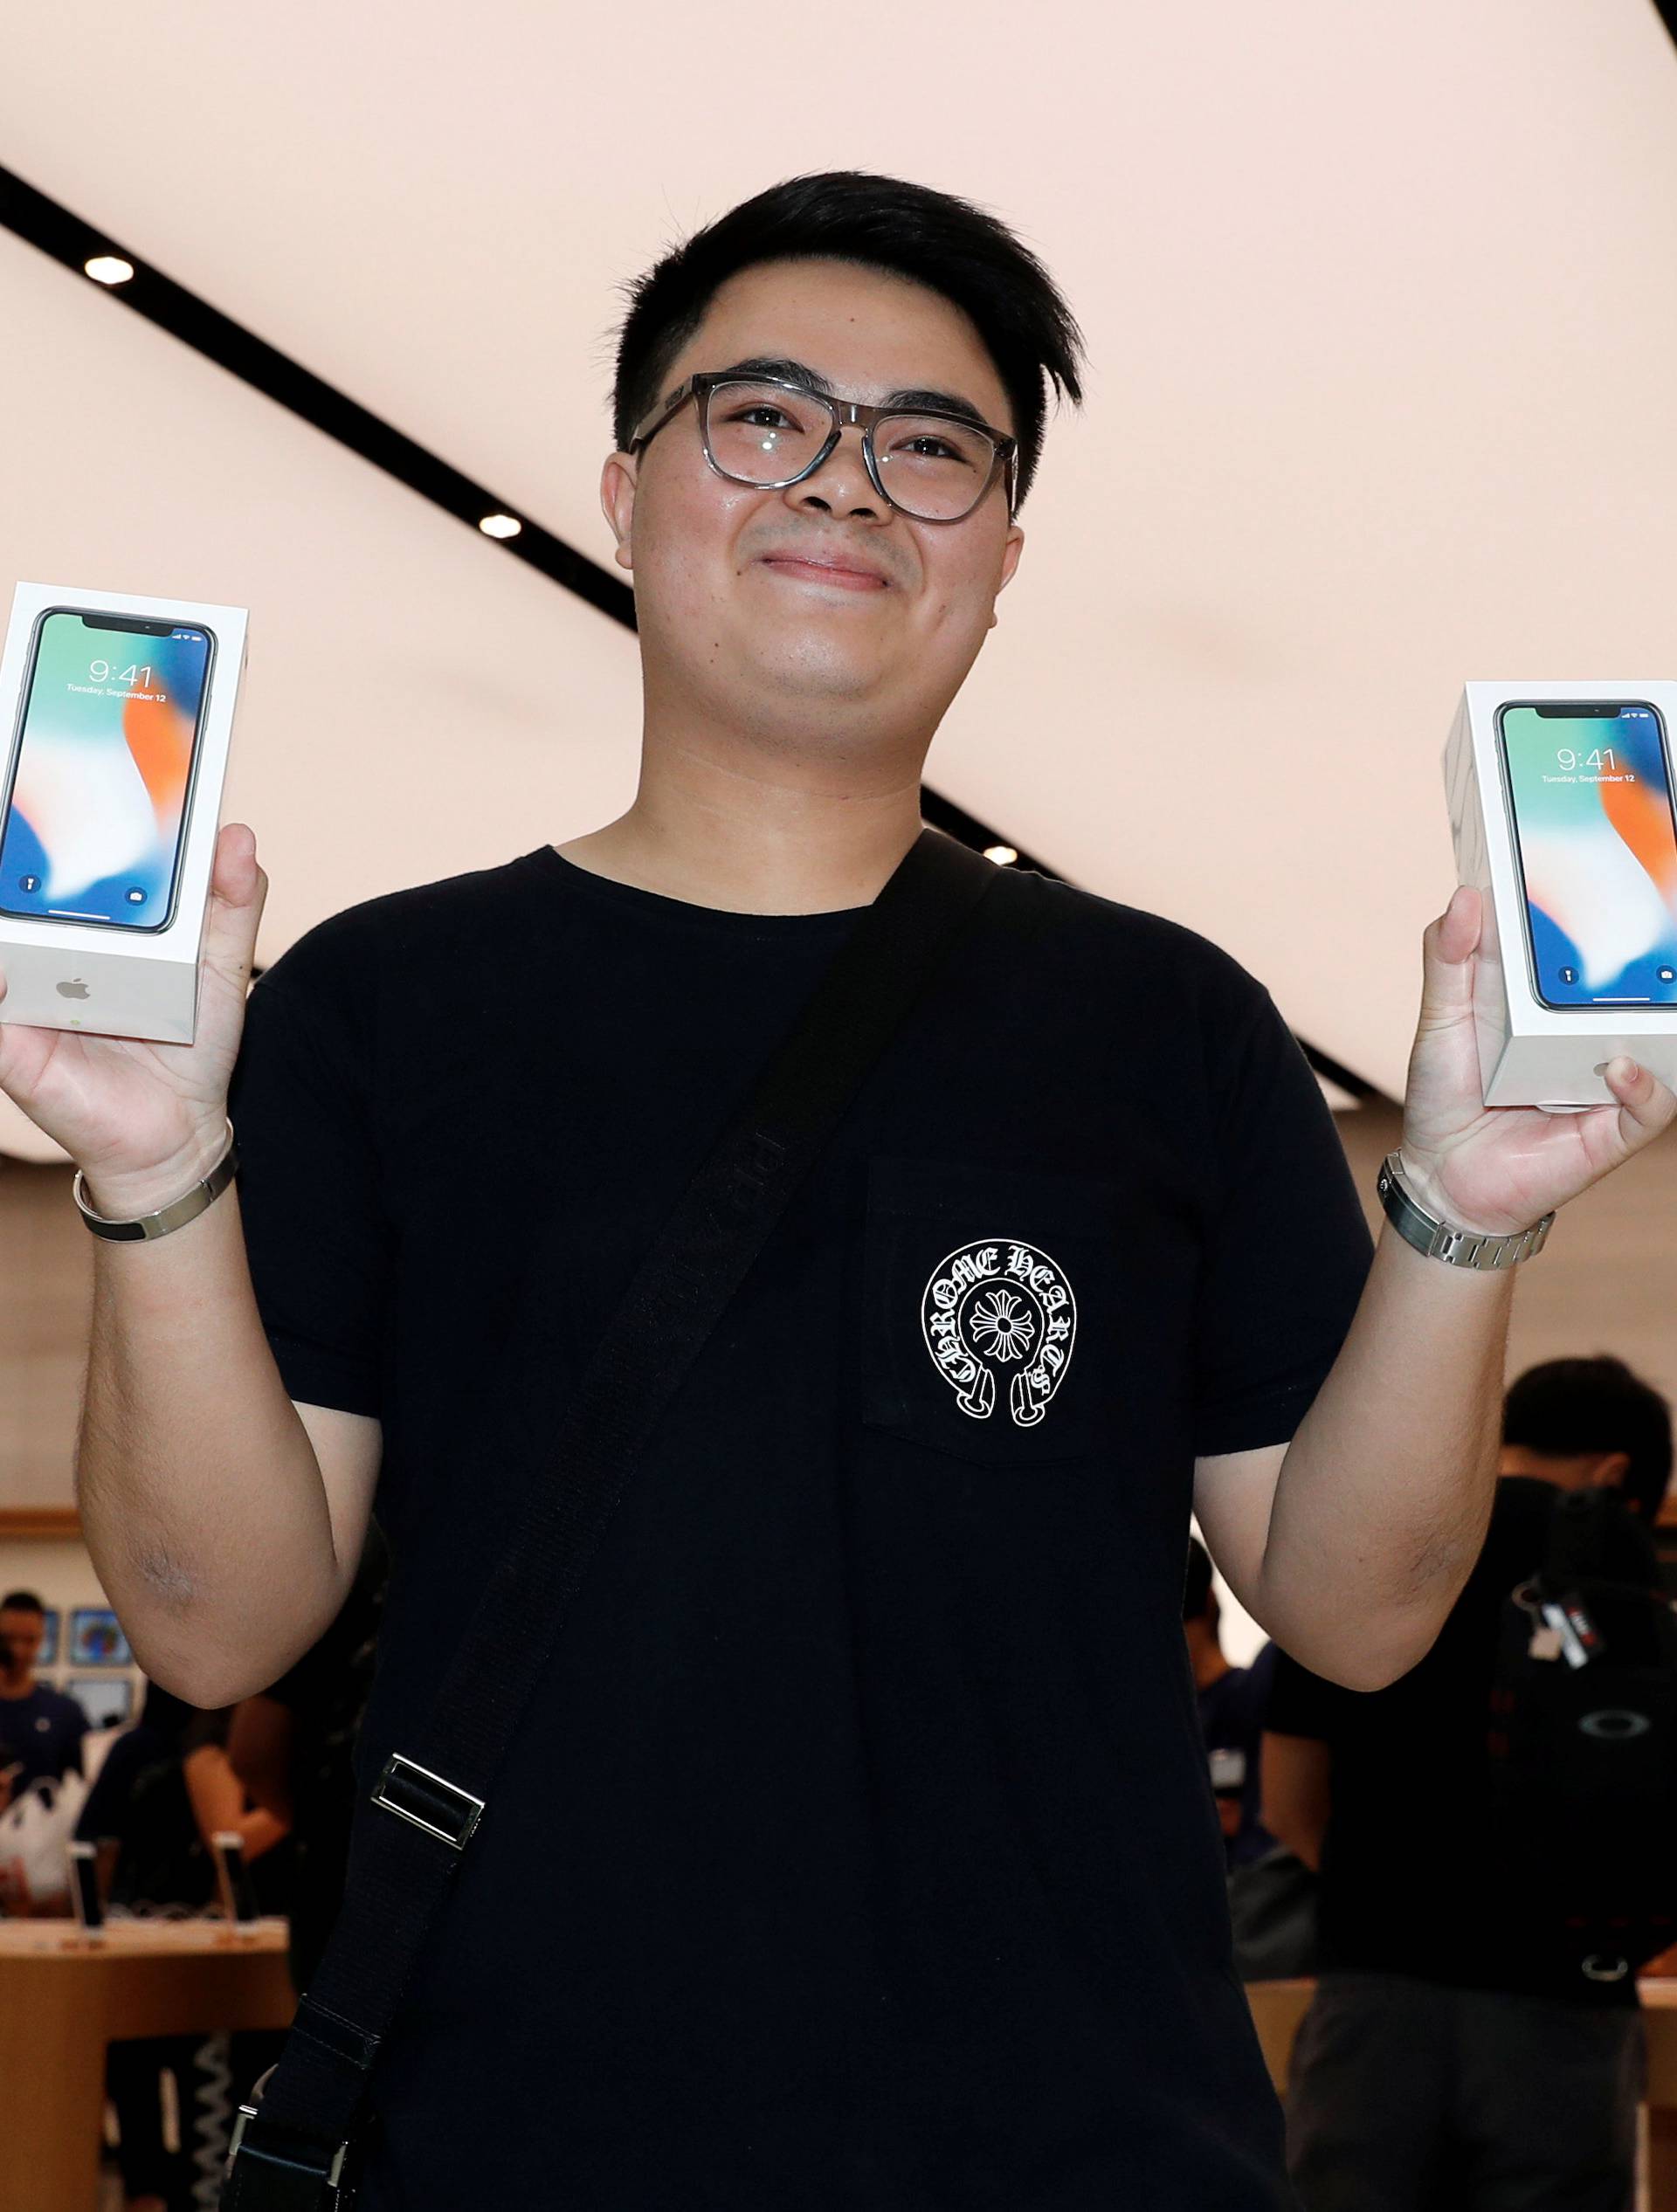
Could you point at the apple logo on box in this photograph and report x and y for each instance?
(75, 989)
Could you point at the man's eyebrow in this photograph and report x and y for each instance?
(797, 372)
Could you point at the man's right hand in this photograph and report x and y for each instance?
(144, 1121)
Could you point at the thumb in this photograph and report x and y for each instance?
(1447, 947)
(239, 889)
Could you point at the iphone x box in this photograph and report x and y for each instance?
(1560, 808)
(116, 712)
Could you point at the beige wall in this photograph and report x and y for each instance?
(45, 1281)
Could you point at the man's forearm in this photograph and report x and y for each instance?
(1385, 1495)
(201, 1498)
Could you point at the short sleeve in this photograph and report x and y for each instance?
(317, 1240)
(1302, 1704)
(1288, 1250)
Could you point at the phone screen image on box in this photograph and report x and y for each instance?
(95, 816)
(1590, 790)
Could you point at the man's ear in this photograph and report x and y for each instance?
(1012, 549)
(1609, 1471)
(1010, 565)
(618, 502)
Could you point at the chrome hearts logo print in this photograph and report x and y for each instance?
(1000, 1313)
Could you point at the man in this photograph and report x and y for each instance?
(856, 1853)
(1231, 1701)
(40, 1728)
(1442, 2060)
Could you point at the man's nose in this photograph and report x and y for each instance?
(841, 484)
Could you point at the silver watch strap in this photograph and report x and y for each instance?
(1439, 1240)
(175, 1214)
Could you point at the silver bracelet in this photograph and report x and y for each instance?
(1440, 1240)
(175, 1214)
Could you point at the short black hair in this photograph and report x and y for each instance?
(22, 1602)
(1197, 1590)
(932, 238)
(1565, 1407)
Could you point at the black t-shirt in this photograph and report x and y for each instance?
(858, 1852)
(42, 1732)
(1411, 1878)
(141, 1801)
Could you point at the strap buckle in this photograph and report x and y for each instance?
(282, 2176)
(413, 1792)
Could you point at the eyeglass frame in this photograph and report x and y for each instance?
(844, 412)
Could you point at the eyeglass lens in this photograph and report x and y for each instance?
(765, 434)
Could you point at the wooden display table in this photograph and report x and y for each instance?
(64, 1996)
(1277, 2007)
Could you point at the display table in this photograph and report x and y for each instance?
(64, 1996)
(1277, 2007)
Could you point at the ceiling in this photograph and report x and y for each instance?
(1381, 329)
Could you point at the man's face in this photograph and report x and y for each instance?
(22, 1634)
(728, 618)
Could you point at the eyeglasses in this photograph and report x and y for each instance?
(767, 431)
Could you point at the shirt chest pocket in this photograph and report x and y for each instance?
(989, 1301)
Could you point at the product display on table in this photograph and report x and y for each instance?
(1561, 808)
(119, 711)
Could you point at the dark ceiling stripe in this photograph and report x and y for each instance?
(45, 224)
(42, 221)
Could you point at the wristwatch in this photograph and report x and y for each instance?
(175, 1214)
(1439, 1239)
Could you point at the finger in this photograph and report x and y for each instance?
(1447, 949)
(1645, 1104)
(234, 873)
(238, 889)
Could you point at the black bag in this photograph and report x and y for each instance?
(299, 2145)
(1583, 1750)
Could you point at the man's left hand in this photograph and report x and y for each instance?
(1498, 1169)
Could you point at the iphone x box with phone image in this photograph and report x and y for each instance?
(116, 712)
(1561, 805)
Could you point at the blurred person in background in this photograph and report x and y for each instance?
(152, 1859)
(139, 1813)
(1231, 1704)
(167, 1786)
(41, 1729)
(1272, 1894)
(1448, 2055)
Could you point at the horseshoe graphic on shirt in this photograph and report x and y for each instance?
(996, 1312)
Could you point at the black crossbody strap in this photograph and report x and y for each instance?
(433, 1793)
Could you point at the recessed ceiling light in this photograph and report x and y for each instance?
(108, 268)
(1002, 855)
(501, 525)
